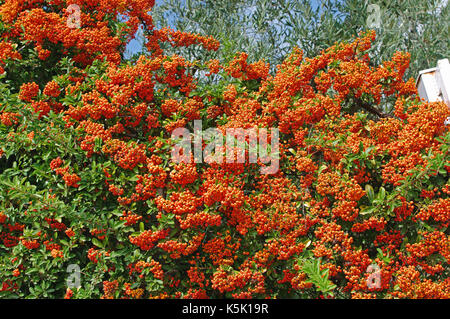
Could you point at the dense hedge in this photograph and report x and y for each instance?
(359, 207)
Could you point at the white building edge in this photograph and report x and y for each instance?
(434, 84)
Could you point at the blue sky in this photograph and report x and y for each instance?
(135, 45)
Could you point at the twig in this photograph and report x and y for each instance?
(372, 109)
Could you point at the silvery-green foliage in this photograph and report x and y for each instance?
(269, 29)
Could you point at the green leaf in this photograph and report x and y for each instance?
(370, 193)
(97, 242)
(382, 193)
(367, 211)
(317, 277)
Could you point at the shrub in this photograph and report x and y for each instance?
(358, 208)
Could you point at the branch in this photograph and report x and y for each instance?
(372, 109)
